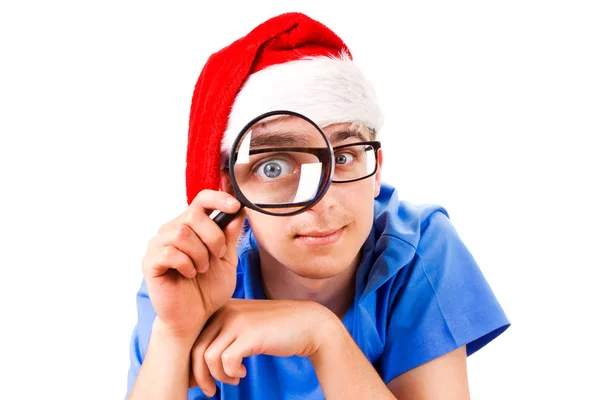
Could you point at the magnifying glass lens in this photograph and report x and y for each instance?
(281, 164)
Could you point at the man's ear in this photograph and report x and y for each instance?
(225, 185)
(377, 187)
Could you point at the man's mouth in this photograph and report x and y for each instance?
(320, 238)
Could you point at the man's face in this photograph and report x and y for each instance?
(326, 239)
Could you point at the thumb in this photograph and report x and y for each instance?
(232, 233)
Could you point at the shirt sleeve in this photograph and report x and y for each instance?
(441, 301)
(140, 336)
(140, 339)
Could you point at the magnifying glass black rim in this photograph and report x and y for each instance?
(323, 187)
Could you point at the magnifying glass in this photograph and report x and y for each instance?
(281, 163)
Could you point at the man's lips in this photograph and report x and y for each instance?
(320, 238)
(319, 233)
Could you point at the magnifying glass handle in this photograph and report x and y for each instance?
(223, 219)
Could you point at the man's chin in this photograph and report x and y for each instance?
(317, 274)
(315, 266)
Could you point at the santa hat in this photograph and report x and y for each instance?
(290, 62)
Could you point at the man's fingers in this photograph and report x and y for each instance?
(232, 357)
(199, 369)
(209, 233)
(232, 234)
(197, 218)
(185, 239)
(192, 384)
(169, 257)
(212, 356)
(232, 368)
(208, 200)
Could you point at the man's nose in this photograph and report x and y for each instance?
(328, 201)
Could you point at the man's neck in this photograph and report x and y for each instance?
(335, 293)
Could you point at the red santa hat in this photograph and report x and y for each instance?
(290, 62)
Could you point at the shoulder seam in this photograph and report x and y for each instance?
(397, 238)
(426, 220)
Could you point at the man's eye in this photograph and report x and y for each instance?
(344, 158)
(273, 169)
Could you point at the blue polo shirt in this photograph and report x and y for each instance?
(419, 294)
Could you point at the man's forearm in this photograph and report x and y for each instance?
(343, 370)
(165, 371)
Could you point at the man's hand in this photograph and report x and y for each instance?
(243, 328)
(190, 266)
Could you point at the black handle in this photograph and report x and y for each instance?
(223, 219)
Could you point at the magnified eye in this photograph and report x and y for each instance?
(344, 158)
(273, 169)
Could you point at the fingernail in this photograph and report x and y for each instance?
(230, 202)
(203, 268)
(223, 252)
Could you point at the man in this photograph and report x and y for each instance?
(361, 296)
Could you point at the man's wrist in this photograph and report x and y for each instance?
(330, 332)
(178, 339)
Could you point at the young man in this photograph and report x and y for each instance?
(361, 296)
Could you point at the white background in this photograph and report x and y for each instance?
(492, 110)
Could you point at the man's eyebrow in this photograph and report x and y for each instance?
(346, 134)
(280, 139)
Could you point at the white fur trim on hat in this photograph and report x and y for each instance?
(327, 90)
